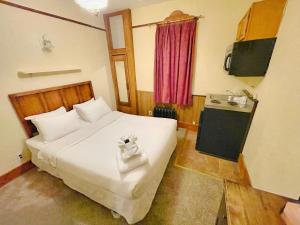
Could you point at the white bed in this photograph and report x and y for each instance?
(86, 161)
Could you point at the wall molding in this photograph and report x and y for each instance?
(243, 170)
(188, 126)
(18, 171)
(48, 14)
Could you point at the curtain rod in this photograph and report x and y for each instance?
(162, 22)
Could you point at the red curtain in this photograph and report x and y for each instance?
(173, 63)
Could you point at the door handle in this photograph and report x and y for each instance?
(227, 62)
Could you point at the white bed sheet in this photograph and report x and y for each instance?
(87, 158)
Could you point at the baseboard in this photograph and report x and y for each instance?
(4, 179)
(244, 171)
(188, 126)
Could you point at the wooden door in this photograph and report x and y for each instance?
(120, 45)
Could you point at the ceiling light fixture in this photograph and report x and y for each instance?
(93, 6)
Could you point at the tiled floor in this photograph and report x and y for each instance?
(190, 159)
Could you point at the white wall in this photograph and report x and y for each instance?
(272, 150)
(65, 8)
(215, 32)
(20, 44)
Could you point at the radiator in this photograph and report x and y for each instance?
(165, 112)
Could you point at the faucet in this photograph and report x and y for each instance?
(230, 97)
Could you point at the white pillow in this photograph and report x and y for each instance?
(84, 103)
(56, 112)
(93, 111)
(55, 127)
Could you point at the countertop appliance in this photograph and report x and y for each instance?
(224, 126)
(249, 58)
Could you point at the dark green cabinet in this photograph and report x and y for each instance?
(222, 132)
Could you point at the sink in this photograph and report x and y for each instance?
(228, 102)
(215, 101)
(225, 99)
(219, 97)
(232, 103)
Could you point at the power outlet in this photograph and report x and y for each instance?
(20, 156)
(150, 113)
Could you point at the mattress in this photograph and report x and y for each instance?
(86, 161)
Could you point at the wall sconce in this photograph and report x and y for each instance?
(47, 45)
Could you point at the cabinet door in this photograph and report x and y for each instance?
(265, 19)
(222, 133)
(243, 26)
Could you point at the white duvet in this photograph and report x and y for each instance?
(89, 154)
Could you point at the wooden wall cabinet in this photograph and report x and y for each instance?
(261, 21)
(121, 53)
(243, 25)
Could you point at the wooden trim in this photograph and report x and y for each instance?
(188, 126)
(204, 96)
(4, 179)
(244, 171)
(49, 89)
(117, 13)
(48, 14)
(121, 58)
(128, 53)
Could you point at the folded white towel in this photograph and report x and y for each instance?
(132, 163)
(129, 147)
(127, 155)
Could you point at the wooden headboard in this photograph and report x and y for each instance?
(45, 100)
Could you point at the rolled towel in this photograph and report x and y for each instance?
(132, 163)
(129, 147)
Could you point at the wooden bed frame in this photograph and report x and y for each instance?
(45, 100)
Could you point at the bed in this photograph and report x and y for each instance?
(86, 159)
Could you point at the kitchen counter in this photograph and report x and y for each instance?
(224, 105)
(248, 206)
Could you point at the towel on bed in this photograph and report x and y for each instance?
(132, 163)
(129, 147)
(128, 155)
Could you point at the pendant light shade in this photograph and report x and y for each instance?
(92, 5)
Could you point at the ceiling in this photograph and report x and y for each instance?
(114, 5)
